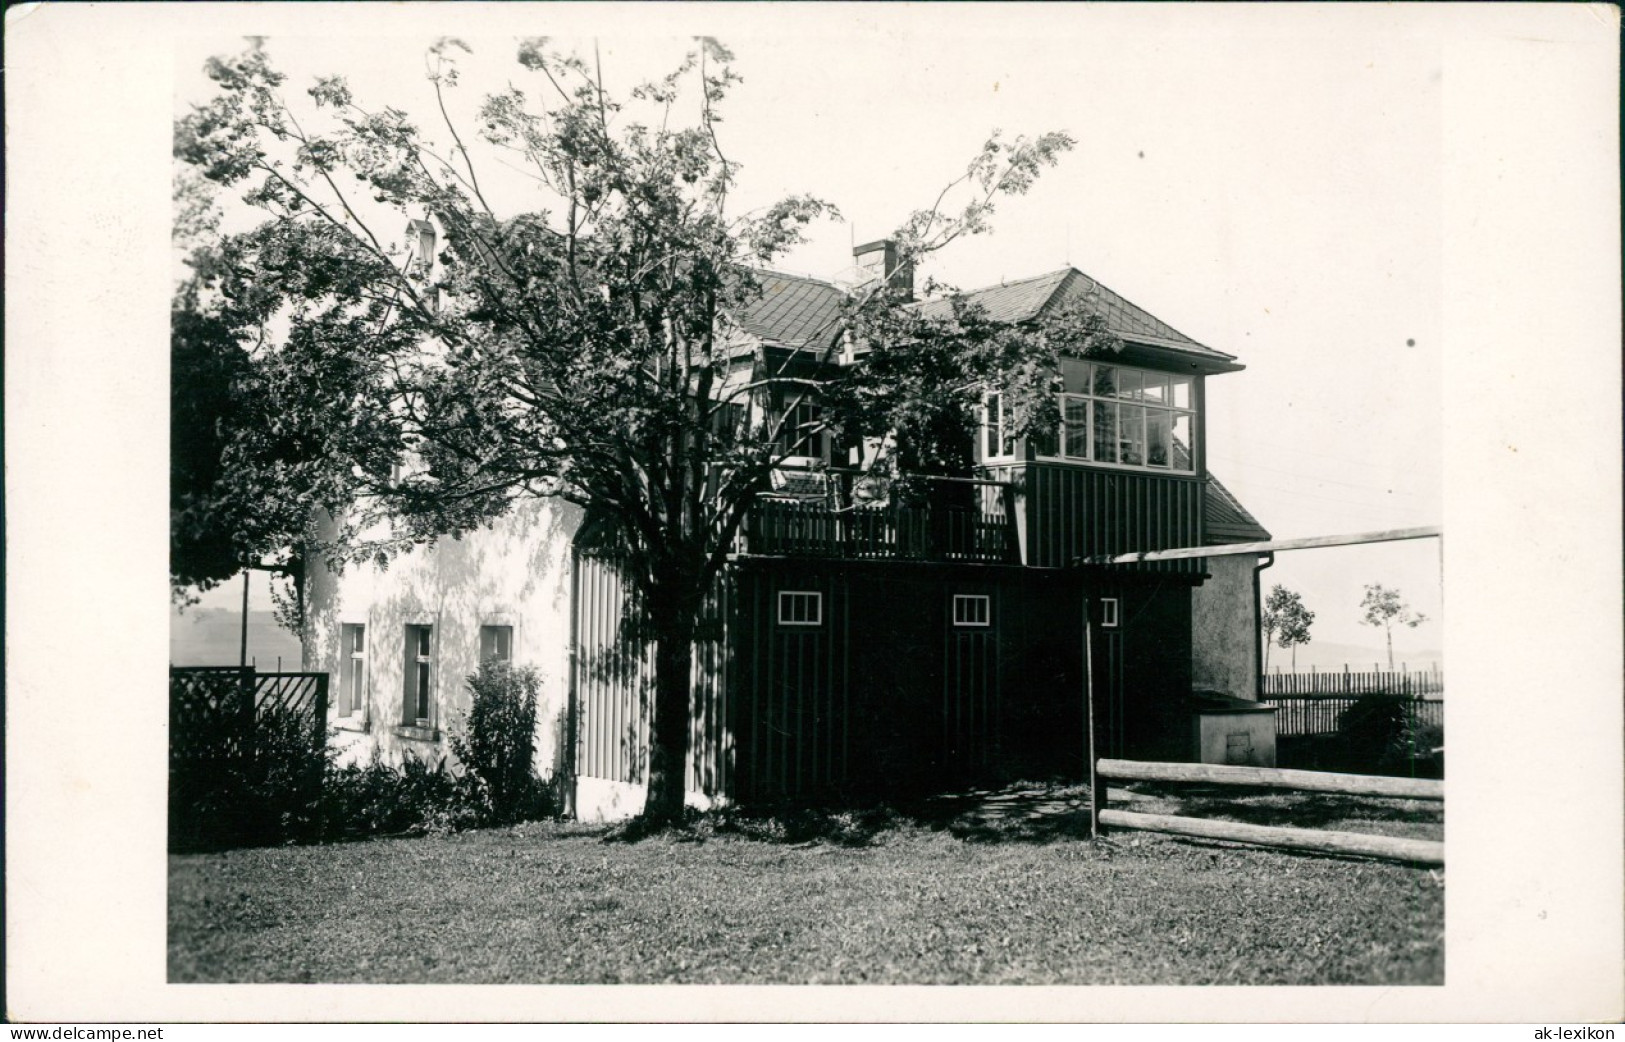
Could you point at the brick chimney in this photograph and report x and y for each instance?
(878, 260)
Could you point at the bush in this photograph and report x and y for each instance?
(1378, 734)
(497, 746)
(290, 791)
(272, 796)
(378, 799)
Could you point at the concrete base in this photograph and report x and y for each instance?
(1239, 739)
(602, 800)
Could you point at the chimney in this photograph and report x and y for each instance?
(878, 260)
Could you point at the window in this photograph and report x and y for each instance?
(1108, 613)
(1129, 417)
(496, 643)
(421, 242)
(352, 670)
(972, 609)
(997, 423)
(798, 435)
(419, 676)
(801, 608)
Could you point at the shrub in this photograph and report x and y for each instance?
(1379, 734)
(273, 796)
(380, 799)
(497, 746)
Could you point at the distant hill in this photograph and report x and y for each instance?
(213, 637)
(1360, 658)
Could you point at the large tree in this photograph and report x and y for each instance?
(583, 346)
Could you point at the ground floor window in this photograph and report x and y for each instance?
(972, 609)
(419, 675)
(352, 669)
(801, 608)
(496, 643)
(1108, 613)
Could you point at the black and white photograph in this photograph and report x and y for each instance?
(840, 496)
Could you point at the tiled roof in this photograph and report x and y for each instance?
(793, 310)
(1225, 520)
(1027, 299)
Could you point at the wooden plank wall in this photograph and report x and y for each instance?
(795, 713)
(1075, 512)
(972, 714)
(615, 683)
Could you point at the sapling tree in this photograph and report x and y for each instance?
(1384, 607)
(582, 345)
(1285, 622)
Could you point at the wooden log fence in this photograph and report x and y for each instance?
(1428, 852)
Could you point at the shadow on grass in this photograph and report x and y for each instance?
(1029, 813)
(1026, 813)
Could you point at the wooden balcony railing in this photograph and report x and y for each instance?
(801, 529)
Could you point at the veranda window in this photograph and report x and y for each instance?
(1128, 417)
(998, 441)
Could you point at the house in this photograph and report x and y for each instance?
(854, 648)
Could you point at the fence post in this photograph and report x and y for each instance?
(321, 710)
(1097, 784)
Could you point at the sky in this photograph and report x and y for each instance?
(1270, 187)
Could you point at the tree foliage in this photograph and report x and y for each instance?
(1386, 608)
(584, 346)
(1285, 620)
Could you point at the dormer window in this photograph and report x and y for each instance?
(420, 241)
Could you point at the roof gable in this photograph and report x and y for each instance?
(1029, 299)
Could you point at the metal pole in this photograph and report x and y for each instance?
(242, 658)
(1097, 784)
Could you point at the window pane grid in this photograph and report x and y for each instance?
(972, 609)
(353, 669)
(419, 675)
(801, 608)
(1129, 417)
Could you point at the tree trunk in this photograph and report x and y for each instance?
(672, 620)
(1390, 634)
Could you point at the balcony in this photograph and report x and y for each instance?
(959, 520)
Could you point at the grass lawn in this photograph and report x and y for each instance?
(1003, 891)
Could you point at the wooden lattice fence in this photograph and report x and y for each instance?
(246, 753)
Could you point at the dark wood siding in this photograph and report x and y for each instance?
(1070, 511)
(885, 697)
(793, 713)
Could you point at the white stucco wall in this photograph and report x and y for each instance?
(515, 573)
(1224, 635)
